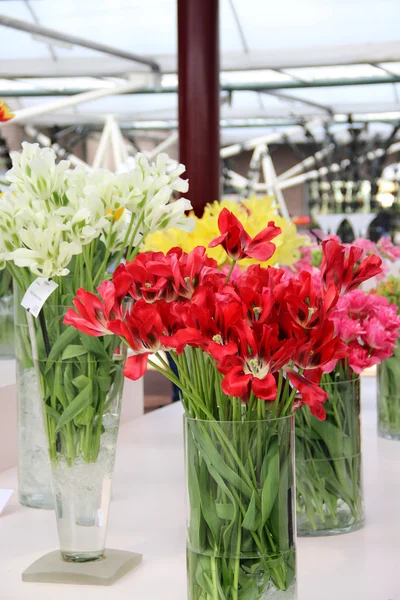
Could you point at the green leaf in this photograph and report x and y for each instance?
(251, 519)
(58, 385)
(214, 460)
(66, 338)
(81, 382)
(94, 346)
(270, 487)
(225, 511)
(72, 351)
(104, 382)
(85, 417)
(82, 401)
(52, 413)
(69, 388)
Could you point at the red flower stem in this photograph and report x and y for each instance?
(230, 271)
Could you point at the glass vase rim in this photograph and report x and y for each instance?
(349, 380)
(251, 421)
(95, 360)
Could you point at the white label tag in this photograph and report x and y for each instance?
(5, 495)
(37, 294)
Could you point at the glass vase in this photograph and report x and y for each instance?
(83, 404)
(34, 483)
(328, 463)
(7, 327)
(240, 509)
(388, 388)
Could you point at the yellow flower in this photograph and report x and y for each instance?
(254, 213)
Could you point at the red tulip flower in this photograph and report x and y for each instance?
(345, 272)
(311, 394)
(238, 244)
(93, 314)
(146, 328)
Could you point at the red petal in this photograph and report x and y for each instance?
(217, 241)
(219, 351)
(265, 389)
(236, 383)
(107, 292)
(136, 366)
(260, 251)
(81, 324)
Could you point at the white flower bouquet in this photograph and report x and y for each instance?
(72, 227)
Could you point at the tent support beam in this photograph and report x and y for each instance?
(53, 34)
(227, 87)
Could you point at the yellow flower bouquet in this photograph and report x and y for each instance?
(254, 213)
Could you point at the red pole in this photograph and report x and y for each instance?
(198, 71)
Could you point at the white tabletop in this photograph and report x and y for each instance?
(148, 516)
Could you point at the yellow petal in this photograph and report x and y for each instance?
(118, 214)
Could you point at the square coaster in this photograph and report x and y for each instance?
(50, 568)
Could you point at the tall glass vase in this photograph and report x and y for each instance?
(388, 380)
(328, 463)
(240, 509)
(34, 483)
(83, 408)
(78, 382)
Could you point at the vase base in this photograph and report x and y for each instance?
(82, 557)
(50, 568)
(36, 501)
(331, 531)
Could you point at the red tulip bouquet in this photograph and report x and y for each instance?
(249, 347)
(328, 456)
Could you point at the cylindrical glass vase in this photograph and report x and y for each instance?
(328, 463)
(388, 388)
(34, 483)
(240, 509)
(83, 397)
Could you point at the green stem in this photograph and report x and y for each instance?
(230, 271)
(235, 592)
(100, 273)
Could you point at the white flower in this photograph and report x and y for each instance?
(165, 215)
(52, 214)
(36, 173)
(173, 177)
(44, 251)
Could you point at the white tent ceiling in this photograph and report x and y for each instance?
(310, 42)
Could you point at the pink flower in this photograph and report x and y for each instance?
(369, 325)
(376, 334)
(388, 249)
(359, 359)
(348, 329)
(366, 245)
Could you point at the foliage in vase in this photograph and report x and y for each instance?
(71, 227)
(329, 493)
(6, 315)
(249, 346)
(254, 213)
(388, 372)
